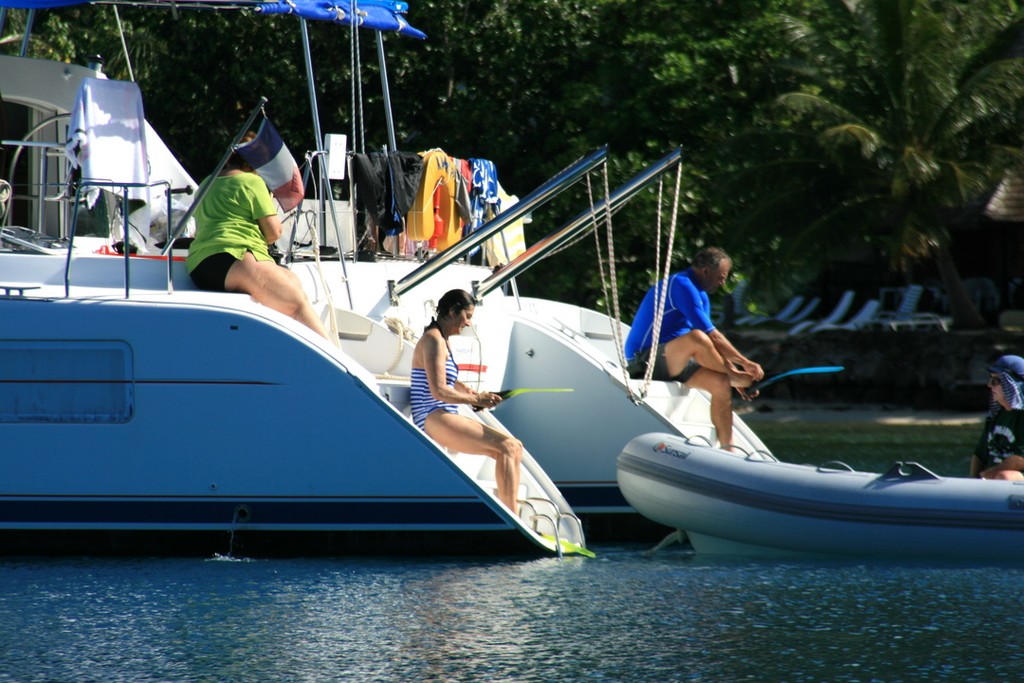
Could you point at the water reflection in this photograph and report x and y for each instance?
(622, 617)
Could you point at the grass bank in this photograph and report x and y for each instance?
(871, 446)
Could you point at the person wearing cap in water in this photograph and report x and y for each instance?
(1000, 450)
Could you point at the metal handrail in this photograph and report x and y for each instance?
(578, 225)
(125, 232)
(49, 149)
(549, 190)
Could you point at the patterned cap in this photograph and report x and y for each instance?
(1011, 364)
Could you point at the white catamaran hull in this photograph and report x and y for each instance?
(197, 412)
(139, 413)
(518, 343)
(732, 504)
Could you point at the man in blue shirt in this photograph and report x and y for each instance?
(690, 349)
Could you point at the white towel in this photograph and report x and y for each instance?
(163, 167)
(107, 136)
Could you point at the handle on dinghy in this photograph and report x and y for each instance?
(909, 471)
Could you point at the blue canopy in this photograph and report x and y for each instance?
(379, 15)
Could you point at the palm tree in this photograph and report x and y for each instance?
(903, 111)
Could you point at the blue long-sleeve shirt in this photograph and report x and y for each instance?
(687, 307)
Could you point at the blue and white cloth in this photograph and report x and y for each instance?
(422, 401)
(484, 196)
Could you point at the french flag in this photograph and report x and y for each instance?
(273, 162)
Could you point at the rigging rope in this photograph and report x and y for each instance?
(614, 316)
(662, 285)
(358, 134)
(403, 333)
(358, 138)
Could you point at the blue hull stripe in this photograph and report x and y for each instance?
(317, 513)
(603, 496)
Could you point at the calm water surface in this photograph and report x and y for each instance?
(621, 617)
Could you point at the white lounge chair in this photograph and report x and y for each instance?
(861, 319)
(804, 312)
(907, 314)
(837, 314)
(784, 314)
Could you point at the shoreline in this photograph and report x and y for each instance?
(920, 370)
(773, 410)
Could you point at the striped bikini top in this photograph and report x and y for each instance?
(422, 401)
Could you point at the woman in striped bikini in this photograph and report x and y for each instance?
(436, 391)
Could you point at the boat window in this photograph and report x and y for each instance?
(66, 381)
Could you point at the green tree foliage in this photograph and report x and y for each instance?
(529, 84)
(906, 111)
(534, 84)
(687, 75)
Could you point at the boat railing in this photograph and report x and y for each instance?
(543, 194)
(47, 151)
(578, 225)
(760, 455)
(757, 454)
(534, 516)
(554, 519)
(572, 519)
(83, 188)
(53, 149)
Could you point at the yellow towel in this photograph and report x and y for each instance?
(510, 242)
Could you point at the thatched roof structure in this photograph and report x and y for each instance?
(1007, 202)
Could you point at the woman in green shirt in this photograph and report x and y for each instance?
(236, 221)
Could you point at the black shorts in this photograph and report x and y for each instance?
(637, 367)
(212, 271)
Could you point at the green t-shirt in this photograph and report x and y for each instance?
(226, 219)
(1002, 438)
